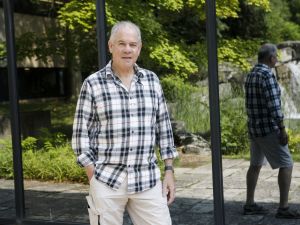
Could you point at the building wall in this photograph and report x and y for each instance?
(36, 24)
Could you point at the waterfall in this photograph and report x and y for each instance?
(290, 88)
(289, 108)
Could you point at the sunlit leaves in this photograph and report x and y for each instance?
(238, 52)
(172, 5)
(78, 13)
(173, 58)
(228, 8)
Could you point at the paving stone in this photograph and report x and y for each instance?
(194, 197)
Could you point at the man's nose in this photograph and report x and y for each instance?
(127, 48)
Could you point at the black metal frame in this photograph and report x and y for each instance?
(214, 107)
(102, 50)
(101, 32)
(14, 111)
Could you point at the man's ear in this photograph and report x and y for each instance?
(140, 48)
(110, 46)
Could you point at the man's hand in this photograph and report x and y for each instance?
(89, 171)
(169, 186)
(283, 137)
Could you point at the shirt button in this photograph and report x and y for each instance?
(129, 165)
(132, 131)
(131, 149)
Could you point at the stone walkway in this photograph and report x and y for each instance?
(194, 197)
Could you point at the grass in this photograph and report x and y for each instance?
(54, 163)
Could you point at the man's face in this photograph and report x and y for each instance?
(274, 60)
(125, 48)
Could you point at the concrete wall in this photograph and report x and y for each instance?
(35, 24)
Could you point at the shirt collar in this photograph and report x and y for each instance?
(263, 65)
(139, 72)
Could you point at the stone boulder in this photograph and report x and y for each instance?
(187, 142)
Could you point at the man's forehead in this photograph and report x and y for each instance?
(125, 32)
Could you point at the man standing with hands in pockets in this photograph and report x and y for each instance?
(121, 117)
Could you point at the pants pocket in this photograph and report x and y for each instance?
(94, 214)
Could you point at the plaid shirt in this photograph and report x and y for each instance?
(263, 102)
(117, 130)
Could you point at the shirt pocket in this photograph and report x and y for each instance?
(109, 111)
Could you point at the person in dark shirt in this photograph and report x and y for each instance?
(268, 137)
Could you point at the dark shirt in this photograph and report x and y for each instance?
(263, 102)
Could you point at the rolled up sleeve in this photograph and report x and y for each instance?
(164, 133)
(83, 120)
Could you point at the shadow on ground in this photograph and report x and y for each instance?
(71, 207)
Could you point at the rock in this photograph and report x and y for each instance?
(189, 143)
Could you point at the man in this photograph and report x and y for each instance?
(268, 138)
(121, 115)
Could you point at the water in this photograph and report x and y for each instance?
(289, 107)
(290, 88)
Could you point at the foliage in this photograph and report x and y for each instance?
(187, 103)
(6, 160)
(78, 14)
(42, 46)
(294, 6)
(227, 8)
(173, 58)
(57, 164)
(279, 25)
(294, 141)
(2, 50)
(29, 143)
(234, 136)
(51, 139)
(238, 52)
(165, 37)
(176, 90)
(172, 5)
(80, 18)
(173, 34)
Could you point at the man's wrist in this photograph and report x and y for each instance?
(281, 127)
(169, 168)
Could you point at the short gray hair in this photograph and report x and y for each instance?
(123, 24)
(266, 51)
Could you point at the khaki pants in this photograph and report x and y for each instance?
(107, 206)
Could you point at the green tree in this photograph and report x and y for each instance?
(158, 49)
(280, 27)
(174, 34)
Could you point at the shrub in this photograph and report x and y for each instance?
(190, 103)
(48, 138)
(234, 135)
(30, 143)
(6, 159)
(57, 163)
(294, 141)
(176, 90)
